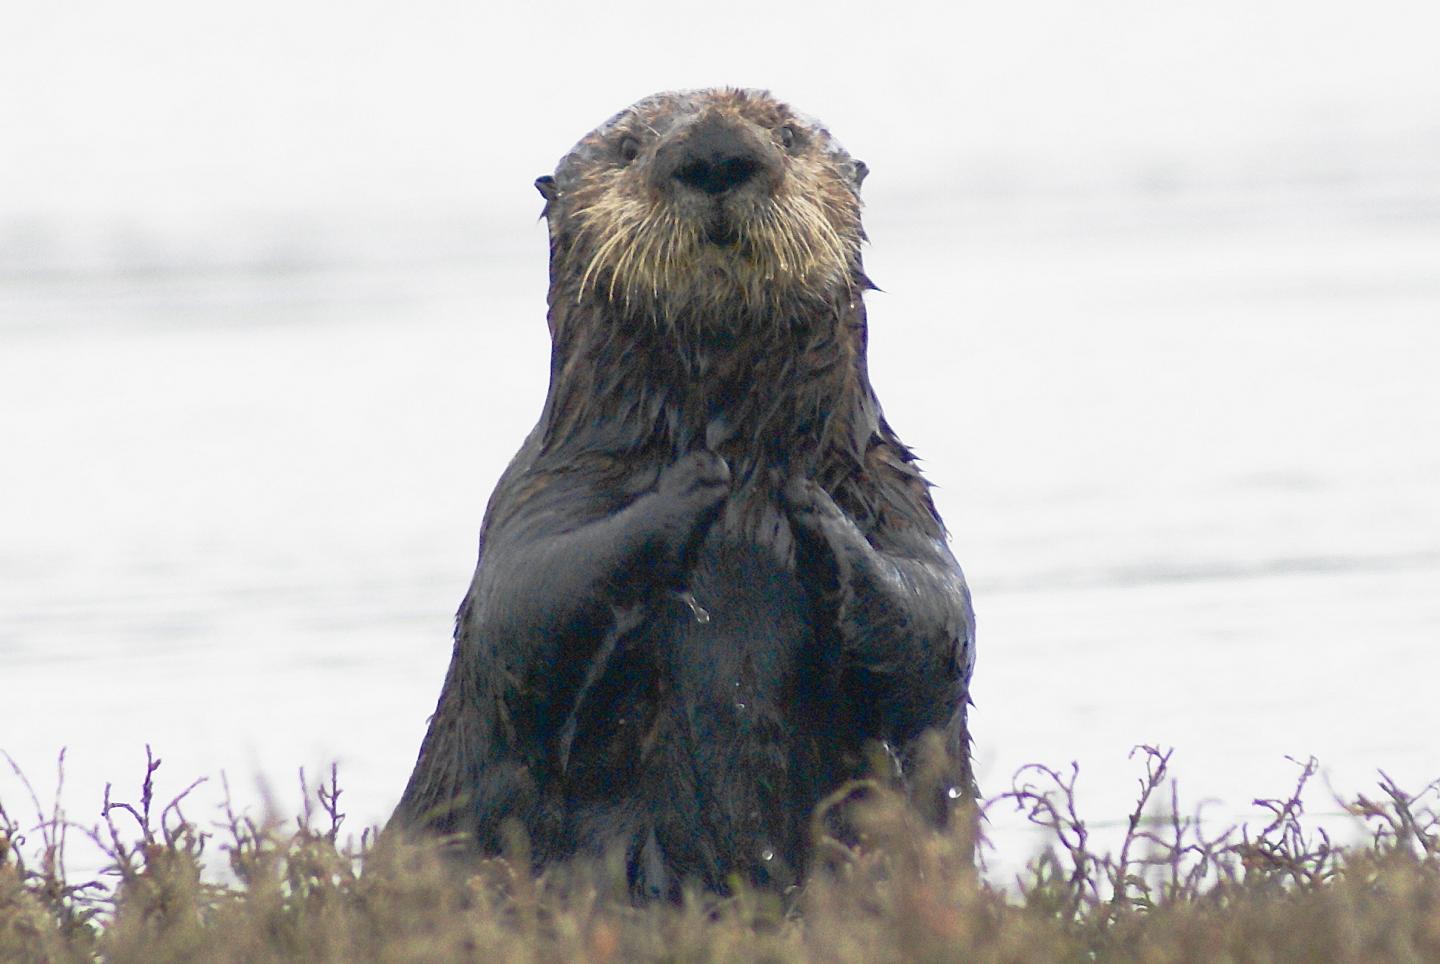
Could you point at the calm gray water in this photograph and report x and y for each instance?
(1188, 449)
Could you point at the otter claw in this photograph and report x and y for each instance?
(809, 503)
(694, 473)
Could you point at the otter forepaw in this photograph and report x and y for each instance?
(686, 501)
(812, 510)
(833, 543)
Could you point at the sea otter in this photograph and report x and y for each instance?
(712, 580)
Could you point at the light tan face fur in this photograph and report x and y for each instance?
(625, 231)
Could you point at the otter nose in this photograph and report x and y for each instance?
(717, 174)
(716, 156)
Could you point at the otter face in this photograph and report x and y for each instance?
(705, 204)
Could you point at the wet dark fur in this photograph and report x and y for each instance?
(712, 575)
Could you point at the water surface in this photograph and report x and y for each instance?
(1188, 453)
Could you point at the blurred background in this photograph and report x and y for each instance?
(1161, 313)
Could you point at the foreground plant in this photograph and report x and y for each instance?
(890, 887)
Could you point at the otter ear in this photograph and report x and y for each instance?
(861, 171)
(545, 184)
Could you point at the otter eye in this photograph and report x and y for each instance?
(787, 137)
(628, 148)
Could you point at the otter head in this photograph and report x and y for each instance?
(705, 207)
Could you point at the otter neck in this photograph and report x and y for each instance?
(771, 395)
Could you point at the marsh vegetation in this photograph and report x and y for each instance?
(238, 887)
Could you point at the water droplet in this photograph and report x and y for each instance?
(701, 614)
(953, 793)
(739, 706)
(767, 854)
